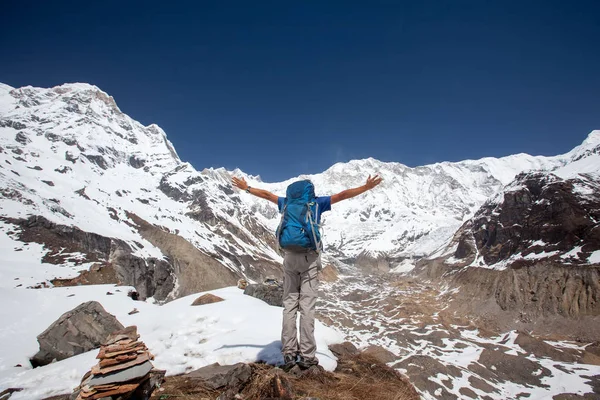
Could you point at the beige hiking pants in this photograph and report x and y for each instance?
(300, 294)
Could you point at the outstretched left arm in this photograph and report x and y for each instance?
(263, 194)
(349, 193)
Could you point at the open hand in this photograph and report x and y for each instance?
(372, 182)
(239, 183)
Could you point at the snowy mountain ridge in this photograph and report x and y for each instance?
(75, 137)
(416, 209)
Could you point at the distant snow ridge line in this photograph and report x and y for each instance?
(69, 154)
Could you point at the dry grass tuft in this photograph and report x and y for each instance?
(356, 378)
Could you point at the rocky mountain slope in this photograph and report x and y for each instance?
(530, 256)
(91, 184)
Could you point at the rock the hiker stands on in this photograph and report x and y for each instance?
(124, 370)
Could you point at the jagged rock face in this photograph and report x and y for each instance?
(150, 276)
(540, 214)
(373, 262)
(82, 329)
(62, 240)
(550, 289)
(530, 293)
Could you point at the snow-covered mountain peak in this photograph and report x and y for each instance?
(593, 138)
(80, 119)
(5, 88)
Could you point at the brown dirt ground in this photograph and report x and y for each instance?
(356, 378)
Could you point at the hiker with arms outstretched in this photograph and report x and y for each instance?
(299, 237)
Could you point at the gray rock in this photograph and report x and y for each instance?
(499, 366)
(71, 157)
(272, 295)
(421, 368)
(151, 277)
(540, 349)
(82, 329)
(373, 264)
(5, 394)
(136, 162)
(22, 138)
(344, 349)
(98, 160)
(380, 354)
(217, 376)
(122, 376)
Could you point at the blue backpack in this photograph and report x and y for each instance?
(298, 229)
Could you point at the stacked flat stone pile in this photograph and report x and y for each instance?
(123, 372)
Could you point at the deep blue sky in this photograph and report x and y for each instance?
(283, 88)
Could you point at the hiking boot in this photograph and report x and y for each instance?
(306, 363)
(289, 361)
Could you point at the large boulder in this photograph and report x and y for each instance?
(271, 294)
(344, 349)
(82, 329)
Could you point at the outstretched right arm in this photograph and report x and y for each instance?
(240, 183)
(349, 193)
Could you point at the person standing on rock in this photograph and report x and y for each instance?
(300, 239)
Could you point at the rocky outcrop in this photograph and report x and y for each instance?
(357, 376)
(270, 294)
(545, 297)
(217, 376)
(194, 270)
(542, 289)
(373, 262)
(522, 262)
(82, 329)
(62, 239)
(344, 349)
(538, 213)
(380, 354)
(150, 276)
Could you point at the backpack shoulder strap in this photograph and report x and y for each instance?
(312, 222)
